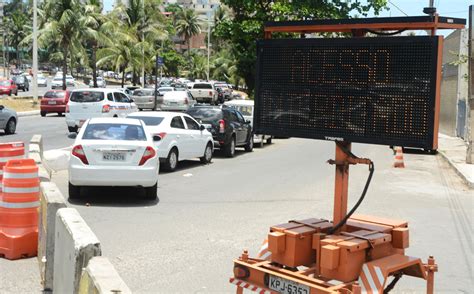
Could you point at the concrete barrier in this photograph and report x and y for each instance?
(35, 152)
(51, 201)
(101, 277)
(75, 244)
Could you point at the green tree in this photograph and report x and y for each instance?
(187, 25)
(18, 27)
(62, 27)
(248, 16)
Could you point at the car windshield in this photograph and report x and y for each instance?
(53, 94)
(165, 89)
(206, 115)
(202, 86)
(245, 110)
(4, 83)
(143, 92)
(87, 96)
(149, 120)
(114, 131)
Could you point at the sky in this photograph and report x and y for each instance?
(453, 8)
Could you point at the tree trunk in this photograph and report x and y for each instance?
(123, 77)
(94, 66)
(17, 57)
(188, 41)
(64, 68)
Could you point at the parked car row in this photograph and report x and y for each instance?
(129, 146)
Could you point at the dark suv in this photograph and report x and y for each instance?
(227, 126)
(22, 83)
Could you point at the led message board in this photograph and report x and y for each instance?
(379, 90)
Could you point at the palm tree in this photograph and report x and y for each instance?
(187, 25)
(18, 27)
(124, 54)
(61, 29)
(95, 32)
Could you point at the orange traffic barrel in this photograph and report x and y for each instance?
(19, 203)
(14, 150)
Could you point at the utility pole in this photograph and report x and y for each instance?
(4, 47)
(35, 51)
(470, 90)
(208, 47)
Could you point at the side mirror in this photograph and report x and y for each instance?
(72, 135)
(248, 122)
(2, 107)
(156, 138)
(202, 127)
(131, 100)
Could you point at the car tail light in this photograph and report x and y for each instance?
(105, 108)
(241, 272)
(210, 93)
(149, 153)
(186, 101)
(162, 135)
(79, 153)
(221, 126)
(67, 108)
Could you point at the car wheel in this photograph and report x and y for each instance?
(151, 192)
(261, 143)
(207, 157)
(140, 109)
(249, 145)
(74, 191)
(172, 160)
(9, 94)
(16, 93)
(60, 113)
(72, 129)
(229, 149)
(11, 126)
(43, 113)
(269, 140)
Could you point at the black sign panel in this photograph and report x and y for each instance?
(368, 90)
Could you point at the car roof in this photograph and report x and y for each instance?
(114, 120)
(107, 90)
(165, 114)
(240, 102)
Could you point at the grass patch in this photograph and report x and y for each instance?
(20, 104)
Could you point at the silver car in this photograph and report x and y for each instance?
(145, 99)
(8, 120)
(177, 101)
(100, 83)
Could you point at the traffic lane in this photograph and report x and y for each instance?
(206, 215)
(52, 128)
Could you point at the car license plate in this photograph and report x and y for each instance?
(284, 286)
(113, 156)
(52, 102)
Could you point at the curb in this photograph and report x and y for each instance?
(456, 169)
(28, 113)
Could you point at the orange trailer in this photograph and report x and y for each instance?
(352, 253)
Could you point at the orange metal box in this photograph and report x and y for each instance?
(296, 247)
(353, 253)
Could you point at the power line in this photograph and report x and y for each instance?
(399, 9)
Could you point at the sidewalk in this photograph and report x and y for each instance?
(453, 150)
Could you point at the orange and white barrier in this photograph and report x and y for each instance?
(398, 157)
(8, 151)
(248, 286)
(264, 253)
(19, 203)
(371, 279)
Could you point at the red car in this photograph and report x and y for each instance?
(8, 87)
(54, 101)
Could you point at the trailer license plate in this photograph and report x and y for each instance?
(114, 156)
(284, 286)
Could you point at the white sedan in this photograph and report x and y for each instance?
(114, 152)
(182, 138)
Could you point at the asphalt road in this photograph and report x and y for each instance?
(206, 215)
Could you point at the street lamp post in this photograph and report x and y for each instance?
(208, 47)
(35, 51)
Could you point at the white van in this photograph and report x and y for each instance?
(100, 102)
(246, 107)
